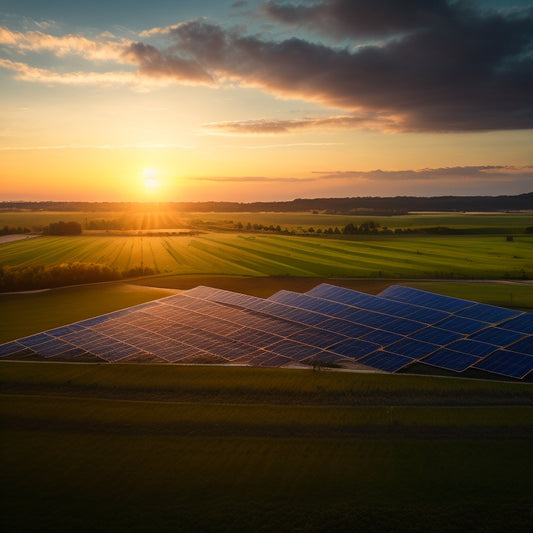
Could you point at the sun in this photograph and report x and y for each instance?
(150, 179)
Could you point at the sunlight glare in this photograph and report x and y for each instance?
(150, 180)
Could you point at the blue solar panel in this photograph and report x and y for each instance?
(403, 326)
(412, 348)
(329, 323)
(307, 302)
(383, 338)
(337, 294)
(35, 340)
(461, 325)
(476, 348)
(58, 332)
(488, 313)
(522, 324)
(387, 361)
(294, 350)
(367, 318)
(318, 337)
(354, 348)
(345, 327)
(507, 363)
(436, 335)
(425, 299)
(497, 336)
(10, 348)
(428, 316)
(524, 346)
(361, 300)
(450, 360)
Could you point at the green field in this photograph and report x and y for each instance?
(477, 257)
(146, 448)
(147, 220)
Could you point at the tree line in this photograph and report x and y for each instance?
(350, 205)
(48, 276)
(14, 230)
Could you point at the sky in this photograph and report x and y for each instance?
(264, 100)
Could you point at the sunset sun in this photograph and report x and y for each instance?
(150, 178)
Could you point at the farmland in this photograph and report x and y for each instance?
(465, 256)
(141, 447)
(500, 223)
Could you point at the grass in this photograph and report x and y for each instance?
(145, 448)
(472, 257)
(145, 220)
(22, 314)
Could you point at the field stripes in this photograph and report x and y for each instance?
(276, 255)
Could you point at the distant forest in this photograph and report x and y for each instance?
(362, 205)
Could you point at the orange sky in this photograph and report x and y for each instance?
(90, 102)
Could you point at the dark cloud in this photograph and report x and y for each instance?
(153, 63)
(445, 175)
(360, 18)
(444, 66)
(448, 174)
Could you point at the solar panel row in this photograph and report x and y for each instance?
(387, 332)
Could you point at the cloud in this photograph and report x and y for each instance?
(359, 18)
(444, 68)
(462, 175)
(153, 63)
(251, 179)
(136, 146)
(267, 127)
(416, 66)
(449, 174)
(39, 75)
(37, 41)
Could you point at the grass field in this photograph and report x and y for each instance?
(145, 448)
(477, 257)
(26, 313)
(146, 220)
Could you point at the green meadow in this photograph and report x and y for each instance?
(145, 448)
(152, 219)
(465, 256)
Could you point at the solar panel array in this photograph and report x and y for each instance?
(394, 331)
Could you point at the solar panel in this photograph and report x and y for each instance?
(427, 316)
(11, 348)
(524, 346)
(436, 335)
(412, 348)
(361, 300)
(307, 302)
(498, 336)
(522, 324)
(318, 337)
(383, 338)
(507, 363)
(476, 348)
(387, 361)
(354, 348)
(450, 360)
(425, 299)
(462, 325)
(345, 327)
(488, 313)
(294, 350)
(328, 324)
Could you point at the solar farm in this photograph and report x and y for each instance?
(400, 330)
